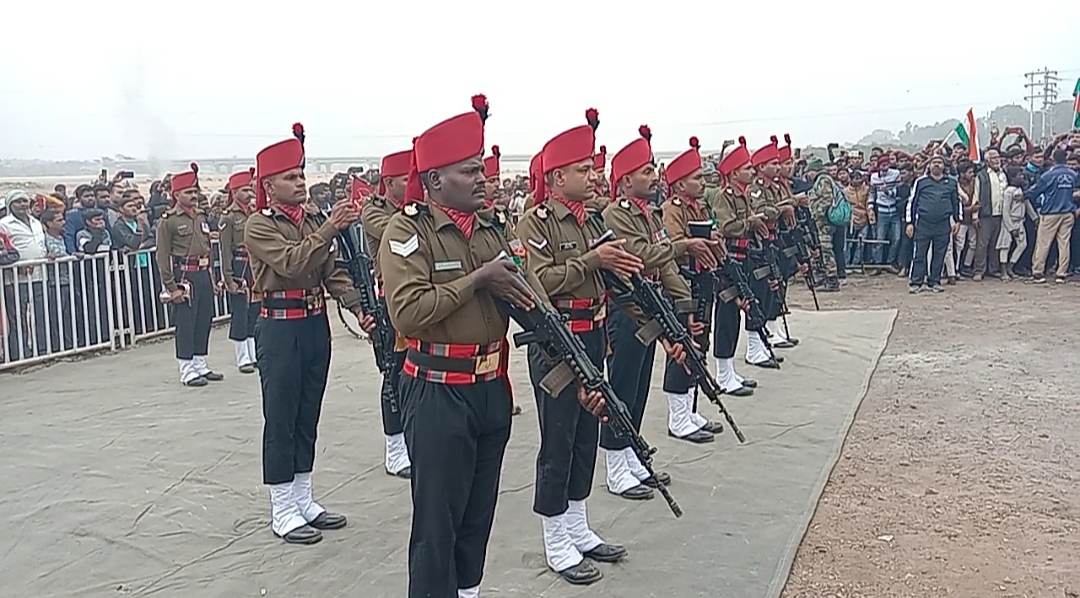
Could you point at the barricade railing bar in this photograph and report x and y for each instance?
(69, 306)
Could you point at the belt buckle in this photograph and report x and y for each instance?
(601, 313)
(314, 302)
(204, 261)
(487, 364)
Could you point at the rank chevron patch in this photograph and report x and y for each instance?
(406, 248)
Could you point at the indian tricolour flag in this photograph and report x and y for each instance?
(1076, 106)
(969, 136)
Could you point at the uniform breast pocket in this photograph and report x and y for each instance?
(184, 231)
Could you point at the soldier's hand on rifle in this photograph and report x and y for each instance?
(593, 402)
(367, 323)
(815, 253)
(696, 328)
(743, 304)
(719, 248)
(675, 351)
(231, 287)
(615, 259)
(701, 249)
(757, 222)
(803, 269)
(343, 214)
(501, 278)
(176, 296)
(774, 285)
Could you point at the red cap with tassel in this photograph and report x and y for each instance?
(240, 179)
(767, 153)
(636, 154)
(394, 165)
(686, 164)
(186, 180)
(491, 163)
(735, 159)
(281, 157)
(449, 142)
(784, 154)
(566, 148)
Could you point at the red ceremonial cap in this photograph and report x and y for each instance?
(766, 154)
(736, 159)
(449, 142)
(566, 148)
(599, 161)
(636, 154)
(359, 189)
(784, 154)
(281, 157)
(393, 165)
(686, 164)
(534, 174)
(241, 179)
(186, 180)
(491, 163)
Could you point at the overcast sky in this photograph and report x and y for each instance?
(223, 78)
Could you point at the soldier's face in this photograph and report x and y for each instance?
(460, 186)
(244, 195)
(188, 197)
(644, 182)
(575, 182)
(786, 167)
(744, 174)
(693, 186)
(490, 187)
(770, 169)
(289, 187)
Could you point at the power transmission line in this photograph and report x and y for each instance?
(1042, 85)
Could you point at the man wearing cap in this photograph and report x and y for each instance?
(443, 264)
(183, 260)
(292, 251)
(765, 196)
(378, 210)
(557, 235)
(243, 307)
(634, 218)
(686, 180)
(740, 224)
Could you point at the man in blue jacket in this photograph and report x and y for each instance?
(1055, 198)
(932, 217)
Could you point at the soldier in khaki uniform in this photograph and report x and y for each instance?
(378, 209)
(291, 245)
(634, 218)
(685, 178)
(557, 234)
(741, 224)
(244, 308)
(183, 260)
(442, 270)
(502, 220)
(766, 197)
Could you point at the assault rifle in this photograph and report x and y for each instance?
(665, 323)
(755, 315)
(703, 283)
(763, 251)
(547, 329)
(796, 246)
(357, 261)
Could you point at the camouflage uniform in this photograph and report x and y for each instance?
(821, 200)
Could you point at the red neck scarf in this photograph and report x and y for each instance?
(190, 211)
(244, 206)
(577, 208)
(295, 213)
(741, 188)
(489, 203)
(690, 201)
(643, 204)
(463, 220)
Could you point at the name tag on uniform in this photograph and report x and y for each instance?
(447, 266)
(567, 246)
(205, 227)
(183, 229)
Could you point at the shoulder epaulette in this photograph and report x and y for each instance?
(266, 212)
(413, 209)
(625, 204)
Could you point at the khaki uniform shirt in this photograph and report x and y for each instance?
(180, 235)
(678, 213)
(646, 238)
(557, 251)
(285, 257)
(733, 212)
(764, 197)
(376, 215)
(429, 268)
(231, 237)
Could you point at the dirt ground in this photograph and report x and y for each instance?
(961, 473)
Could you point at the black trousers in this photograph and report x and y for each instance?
(768, 298)
(456, 435)
(243, 316)
(391, 422)
(934, 238)
(726, 320)
(629, 369)
(294, 361)
(676, 379)
(568, 435)
(194, 318)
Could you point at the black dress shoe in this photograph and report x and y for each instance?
(213, 376)
(782, 344)
(771, 364)
(328, 520)
(200, 381)
(247, 368)
(516, 410)
(405, 474)
(779, 359)
(303, 535)
(581, 574)
(741, 391)
(748, 383)
(662, 477)
(713, 427)
(606, 553)
(699, 437)
(638, 492)
(793, 340)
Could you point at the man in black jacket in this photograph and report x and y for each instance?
(932, 217)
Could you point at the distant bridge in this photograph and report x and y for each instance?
(314, 163)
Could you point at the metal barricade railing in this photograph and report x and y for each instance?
(67, 306)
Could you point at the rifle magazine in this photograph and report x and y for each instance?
(649, 333)
(557, 379)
